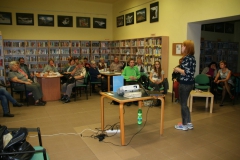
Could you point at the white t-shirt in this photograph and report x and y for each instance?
(155, 75)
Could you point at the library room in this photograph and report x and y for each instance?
(119, 79)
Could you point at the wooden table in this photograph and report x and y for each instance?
(109, 74)
(194, 93)
(50, 86)
(123, 100)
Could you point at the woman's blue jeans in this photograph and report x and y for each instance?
(184, 91)
(5, 96)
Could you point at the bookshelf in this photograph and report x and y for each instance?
(149, 49)
(2, 72)
(217, 51)
(37, 52)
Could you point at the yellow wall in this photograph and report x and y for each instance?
(56, 7)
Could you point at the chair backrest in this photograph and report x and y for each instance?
(202, 79)
(86, 78)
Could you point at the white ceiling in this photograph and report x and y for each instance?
(101, 1)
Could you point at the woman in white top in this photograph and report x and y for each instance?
(156, 76)
(223, 78)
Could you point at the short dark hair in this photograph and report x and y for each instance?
(20, 58)
(212, 63)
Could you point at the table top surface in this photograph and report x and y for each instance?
(114, 96)
(48, 76)
(201, 94)
(107, 73)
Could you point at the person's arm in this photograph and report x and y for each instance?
(216, 78)
(15, 79)
(124, 74)
(150, 77)
(45, 69)
(138, 75)
(205, 70)
(55, 69)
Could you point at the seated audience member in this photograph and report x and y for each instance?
(223, 78)
(142, 69)
(50, 67)
(67, 70)
(5, 96)
(96, 77)
(211, 72)
(102, 64)
(24, 67)
(70, 67)
(156, 76)
(18, 77)
(78, 73)
(86, 64)
(116, 65)
(131, 75)
(176, 79)
(76, 60)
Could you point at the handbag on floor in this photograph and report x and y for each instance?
(15, 141)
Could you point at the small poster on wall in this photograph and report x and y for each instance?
(154, 12)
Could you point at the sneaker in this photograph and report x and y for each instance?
(190, 125)
(181, 127)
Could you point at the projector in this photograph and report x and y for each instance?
(130, 88)
(132, 94)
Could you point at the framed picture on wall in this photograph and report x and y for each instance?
(25, 19)
(6, 18)
(83, 22)
(154, 12)
(120, 21)
(229, 28)
(65, 21)
(129, 18)
(99, 23)
(45, 20)
(219, 27)
(209, 27)
(141, 15)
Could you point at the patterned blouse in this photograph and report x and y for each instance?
(188, 65)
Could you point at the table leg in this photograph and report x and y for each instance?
(162, 114)
(211, 105)
(108, 83)
(206, 106)
(122, 133)
(191, 100)
(102, 112)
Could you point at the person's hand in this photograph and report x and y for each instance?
(28, 83)
(176, 69)
(174, 80)
(31, 75)
(99, 76)
(132, 77)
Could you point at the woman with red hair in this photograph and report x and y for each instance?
(186, 83)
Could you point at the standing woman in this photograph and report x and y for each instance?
(156, 76)
(186, 83)
(225, 82)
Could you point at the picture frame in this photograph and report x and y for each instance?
(25, 19)
(65, 21)
(219, 27)
(177, 49)
(120, 21)
(209, 27)
(83, 22)
(154, 12)
(129, 18)
(141, 15)
(6, 18)
(45, 20)
(100, 23)
(229, 28)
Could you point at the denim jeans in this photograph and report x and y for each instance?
(5, 96)
(184, 91)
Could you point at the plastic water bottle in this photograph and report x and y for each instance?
(139, 116)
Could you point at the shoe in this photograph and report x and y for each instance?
(129, 104)
(181, 127)
(39, 103)
(190, 125)
(64, 97)
(8, 115)
(17, 104)
(67, 100)
(43, 101)
(221, 105)
(232, 97)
